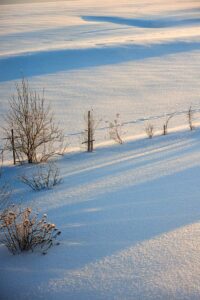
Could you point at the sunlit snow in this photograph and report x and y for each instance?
(129, 214)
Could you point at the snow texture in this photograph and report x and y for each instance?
(129, 214)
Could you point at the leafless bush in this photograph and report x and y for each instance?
(115, 130)
(165, 125)
(45, 177)
(149, 129)
(190, 116)
(21, 230)
(36, 137)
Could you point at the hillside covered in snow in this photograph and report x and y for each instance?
(129, 214)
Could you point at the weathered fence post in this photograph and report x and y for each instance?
(190, 118)
(90, 129)
(89, 133)
(13, 146)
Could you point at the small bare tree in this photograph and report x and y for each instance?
(115, 130)
(149, 130)
(190, 117)
(36, 137)
(165, 125)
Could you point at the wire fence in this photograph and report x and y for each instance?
(143, 120)
(102, 131)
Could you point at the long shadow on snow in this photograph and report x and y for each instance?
(111, 221)
(110, 224)
(143, 23)
(41, 63)
(123, 164)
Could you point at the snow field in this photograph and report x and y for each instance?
(129, 214)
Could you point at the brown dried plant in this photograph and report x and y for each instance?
(21, 230)
(149, 129)
(115, 130)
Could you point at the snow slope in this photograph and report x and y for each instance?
(129, 214)
(145, 55)
(129, 217)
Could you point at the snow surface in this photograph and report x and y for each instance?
(129, 217)
(102, 55)
(129, 214)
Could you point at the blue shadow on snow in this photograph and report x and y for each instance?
(48, 62)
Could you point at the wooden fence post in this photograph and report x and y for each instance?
(13, 146)
(90, 141)
(89, 133)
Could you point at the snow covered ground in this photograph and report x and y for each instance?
(129, 214)
(129, 217)
(135, 58)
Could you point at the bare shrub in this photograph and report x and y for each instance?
(36, 137)
(165, 125)
(44, 177)
(149, 129)
(21, 230)
(190, 117)
(115, 130)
